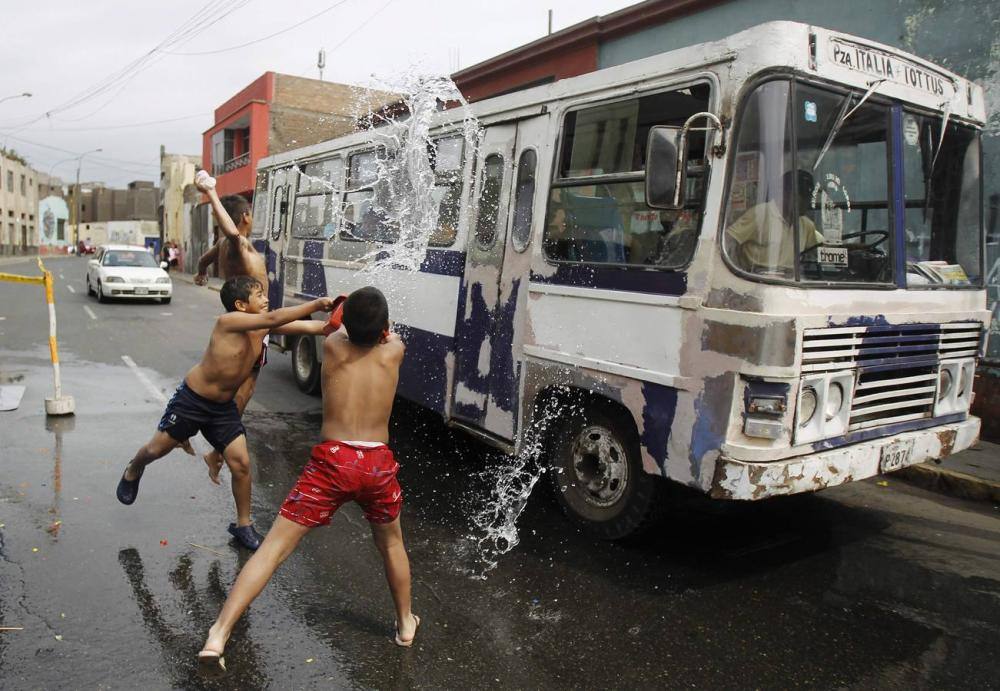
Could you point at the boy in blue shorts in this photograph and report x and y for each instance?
(204, 402)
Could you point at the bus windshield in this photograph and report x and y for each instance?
(811, 194)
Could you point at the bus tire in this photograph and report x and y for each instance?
(305, 364)
(597, 476)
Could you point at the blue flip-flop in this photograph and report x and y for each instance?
(128, 490)
(246, 535)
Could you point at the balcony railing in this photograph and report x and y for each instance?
(232, 164)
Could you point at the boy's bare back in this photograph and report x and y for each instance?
(359, 385)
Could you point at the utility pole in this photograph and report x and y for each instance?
(321, 62)
(76, 194)
(550, 22)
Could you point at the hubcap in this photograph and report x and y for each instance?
(600, 466)
(303, 360)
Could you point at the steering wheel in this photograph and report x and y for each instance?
(857, 247)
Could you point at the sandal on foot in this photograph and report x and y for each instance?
(211, 664)
(128, 490)
(246, 535)
(406, 644)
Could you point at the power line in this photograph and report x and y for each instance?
(262, 38)
(77, 153)
(122, 126)
(362, 25)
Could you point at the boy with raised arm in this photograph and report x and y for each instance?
(360, 372)
(236, 256)
(204, 400)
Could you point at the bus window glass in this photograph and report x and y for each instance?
(316, 203)
(447, 157)
(260, 205)
(942, 218)
(607, 221)
(363, 216)
(843, 192)
(758, 232)
(524, 198)
(489, 201)
(277, 215)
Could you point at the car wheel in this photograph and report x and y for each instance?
(305, 364)
(90, 290)
(164, 301)
(597, 473)
(101, 297)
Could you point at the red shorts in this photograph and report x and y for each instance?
(337, 473)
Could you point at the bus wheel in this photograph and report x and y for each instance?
(305, 364)
(597, 474)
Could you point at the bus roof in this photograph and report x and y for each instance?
(808, 50)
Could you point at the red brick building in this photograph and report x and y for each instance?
(275, 113)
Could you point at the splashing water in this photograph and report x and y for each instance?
(495, 531)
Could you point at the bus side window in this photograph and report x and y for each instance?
(316, 212)
(277, 211)
(488, 211)
(524, 198)
(260, 206)
(447, 159)
(363, 219)
(597, 210)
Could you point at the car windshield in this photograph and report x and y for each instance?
(129, 258)
(819, 211)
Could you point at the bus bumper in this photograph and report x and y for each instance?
(740, 480)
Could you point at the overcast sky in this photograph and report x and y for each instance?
(63, 50)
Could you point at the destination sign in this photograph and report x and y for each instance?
(891, 67)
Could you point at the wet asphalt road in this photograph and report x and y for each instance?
(860, 586)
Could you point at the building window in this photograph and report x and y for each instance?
(597, 211)
(10, 180)
(24, 185)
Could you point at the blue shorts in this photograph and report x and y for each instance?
(188, 413)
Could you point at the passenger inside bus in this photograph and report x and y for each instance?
(585, 225)
(761, 240)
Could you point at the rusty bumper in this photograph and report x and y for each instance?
(745, 481)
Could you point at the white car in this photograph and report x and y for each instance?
(127, 271)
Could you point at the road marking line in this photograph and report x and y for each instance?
(150, 386)
(90, 312)
(166, 314)
(62, 277)
(70, 288)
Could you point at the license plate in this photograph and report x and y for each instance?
(142, 291)
(895, 456)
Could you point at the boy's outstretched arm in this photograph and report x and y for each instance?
(243, 321)
(204, 262)
(301, 327)
(226, 224)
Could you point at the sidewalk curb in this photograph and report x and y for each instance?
(950, 482)
(187, 278)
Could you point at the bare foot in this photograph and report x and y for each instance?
(210, 660)
(186, 445)
(213, 460)
(406, 630)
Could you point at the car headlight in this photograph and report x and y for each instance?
(163, 279)
(114, 279)
(945, 382)
(824, 406)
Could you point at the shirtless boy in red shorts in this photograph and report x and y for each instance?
(360, 372)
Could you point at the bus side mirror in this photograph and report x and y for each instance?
(664, 176)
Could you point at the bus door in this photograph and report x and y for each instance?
(277, 208)
(482, 395)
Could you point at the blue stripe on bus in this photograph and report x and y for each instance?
(635, 279)
(659, 406)
(438, 261)
(423, 376)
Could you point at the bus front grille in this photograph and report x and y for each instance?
(896, 365)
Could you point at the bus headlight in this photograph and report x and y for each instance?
(954, 390)
(807, 405)
(824, 406)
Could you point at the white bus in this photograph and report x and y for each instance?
(751, 266)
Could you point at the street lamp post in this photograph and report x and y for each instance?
(76, 195)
